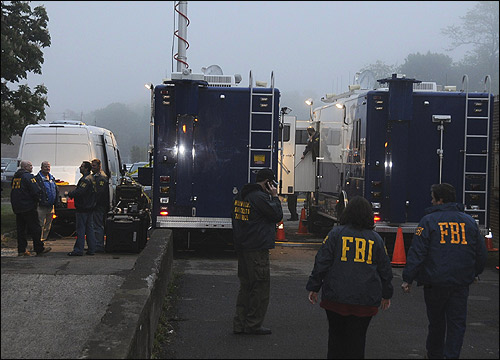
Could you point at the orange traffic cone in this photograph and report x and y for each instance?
(280, 233)
(302, 228)
(489, 242)
(399, 256)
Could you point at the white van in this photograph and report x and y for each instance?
(65, 144)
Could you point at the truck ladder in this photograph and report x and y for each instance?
(475, 198)
(258, 107)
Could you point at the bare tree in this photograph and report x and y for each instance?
(479, 30)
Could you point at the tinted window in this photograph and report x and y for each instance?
(286, 133)
(301, 137)
(333, 137)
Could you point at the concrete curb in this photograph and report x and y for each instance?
(128, 327)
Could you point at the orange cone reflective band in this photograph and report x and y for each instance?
(280, 233)
(399, 256)
(489, 242)
(302, 228)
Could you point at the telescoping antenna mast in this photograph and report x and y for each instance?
(183, 70)
(181, 33)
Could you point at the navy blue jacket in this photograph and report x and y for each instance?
(254, 218)
(84, 194)
(25, 193)
(101, 184)
(447, 248)
(352, 267)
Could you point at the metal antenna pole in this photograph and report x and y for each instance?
(182, 37)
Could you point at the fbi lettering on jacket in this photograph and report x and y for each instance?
(453, 232)
(361, 247)
(241, 210)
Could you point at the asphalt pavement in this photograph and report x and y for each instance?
(201, 316)
(104, 306)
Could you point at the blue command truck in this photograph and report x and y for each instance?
(391, 144)
(209, 140)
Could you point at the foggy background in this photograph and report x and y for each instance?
(102, 53)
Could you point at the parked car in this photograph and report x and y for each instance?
(133, 171)
(6, 161)
(9, 171)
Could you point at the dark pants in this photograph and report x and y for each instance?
(292, 206)
(253, 297)
(346, 336)
(447, 314)
(28, 220)
(84, 231)
(98, 218)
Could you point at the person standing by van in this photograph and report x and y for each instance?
(24, 198)
(85, 198)
(49, 196)
(101, 184)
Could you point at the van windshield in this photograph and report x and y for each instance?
(56, 154)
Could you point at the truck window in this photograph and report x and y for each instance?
(301, 137)
(333, 137)
(286, 133)
(111, 156)
(356, 134)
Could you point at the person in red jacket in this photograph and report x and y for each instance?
(354, 272)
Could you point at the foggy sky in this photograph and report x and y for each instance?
(104, 52)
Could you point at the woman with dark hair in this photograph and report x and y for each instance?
(354, 272)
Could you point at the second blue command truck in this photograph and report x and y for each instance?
(392, 143)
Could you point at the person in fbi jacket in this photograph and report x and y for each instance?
(256, 211)
(24, 198)
(354, 272)
(446, 254)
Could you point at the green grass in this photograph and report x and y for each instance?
(5, 192)
(8, 219)
(166, 327)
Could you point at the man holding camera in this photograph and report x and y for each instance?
(256, 211)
